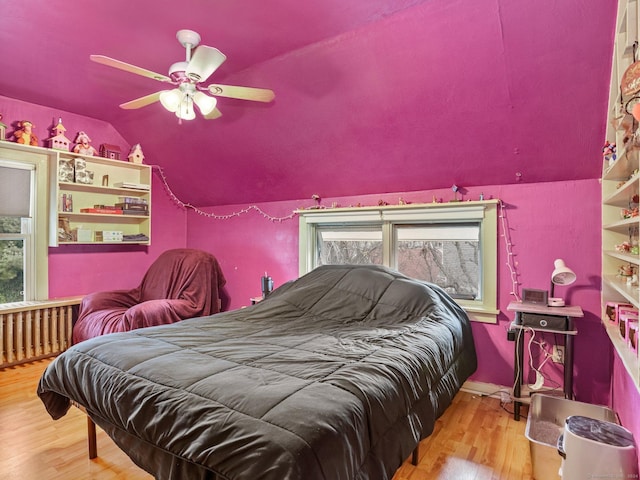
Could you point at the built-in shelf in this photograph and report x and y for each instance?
(620, 189)
(104, 189)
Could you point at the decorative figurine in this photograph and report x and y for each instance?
(609, 152)
(3, 129)
(455, 189)
(59, 141)
(83, 145)
(24, 133)
(136, 155)
(110, 151)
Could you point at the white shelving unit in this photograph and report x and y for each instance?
(620, 188)
(105, 190)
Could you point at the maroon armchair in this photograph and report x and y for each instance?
(182, 283)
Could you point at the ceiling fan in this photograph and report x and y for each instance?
(188, 76)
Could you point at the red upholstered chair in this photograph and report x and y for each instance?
(182, 283)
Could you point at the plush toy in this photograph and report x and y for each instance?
(24, 133)
(84, 145)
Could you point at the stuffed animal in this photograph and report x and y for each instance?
(84, 145)
(24, 133)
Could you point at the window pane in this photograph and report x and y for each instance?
(342, 246)
(447, 255)
(10, 224)
(11, 271)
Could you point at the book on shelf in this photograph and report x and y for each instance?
(142, 207)
(132, 185)
(105, 211)
(135, 212)
(106, 207)
(136, 200)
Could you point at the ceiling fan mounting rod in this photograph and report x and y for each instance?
(189, 40)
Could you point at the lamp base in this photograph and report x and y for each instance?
(556, 302)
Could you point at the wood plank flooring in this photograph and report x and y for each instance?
(474, 440)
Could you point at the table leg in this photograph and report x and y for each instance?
(568, 367)
(518, 366)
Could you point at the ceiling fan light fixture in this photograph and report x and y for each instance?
(205, 103)
(171, 99)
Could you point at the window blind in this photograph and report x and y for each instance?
(15, 192)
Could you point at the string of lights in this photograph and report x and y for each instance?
(508, 247)
(212, 215)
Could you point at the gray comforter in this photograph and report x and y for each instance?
(336, 375)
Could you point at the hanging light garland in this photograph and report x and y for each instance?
(502, 215)
(214, 216)
(507, 243)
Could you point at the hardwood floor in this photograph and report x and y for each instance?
(475, 439)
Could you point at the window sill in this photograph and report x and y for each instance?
(481, 315)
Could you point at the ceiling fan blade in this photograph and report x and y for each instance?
(213, 115)
(243, 93)
(141, 102)
(111, 62)
(204, 61)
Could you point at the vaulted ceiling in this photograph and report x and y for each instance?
(372, 96)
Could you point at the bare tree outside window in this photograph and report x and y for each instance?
(11, 261)
(349, 247)
(445, 254)
(453, 265)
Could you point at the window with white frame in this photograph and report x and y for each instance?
(23, 228)
(452, 245)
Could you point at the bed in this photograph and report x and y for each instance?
(336, 375)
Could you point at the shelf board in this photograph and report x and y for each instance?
(103, 160)
(100, 216)
(628, 357)
(625, 257)
(630, 293)
(89, 187)
(622, 195)
(123, 242)
(623, 225)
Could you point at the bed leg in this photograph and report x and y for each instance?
(91, 438)
(414, 457)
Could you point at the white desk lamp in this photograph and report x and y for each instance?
(562, 275)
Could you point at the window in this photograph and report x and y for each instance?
(23, 226)
(452, 245)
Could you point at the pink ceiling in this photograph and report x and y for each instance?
(372, 96)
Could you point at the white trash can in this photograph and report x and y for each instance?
(594, 448)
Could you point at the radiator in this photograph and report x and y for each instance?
(34, 330)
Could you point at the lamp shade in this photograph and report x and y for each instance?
(170, 99)
(205, 103)
(562, 275)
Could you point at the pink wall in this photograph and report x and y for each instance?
(76, 270)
